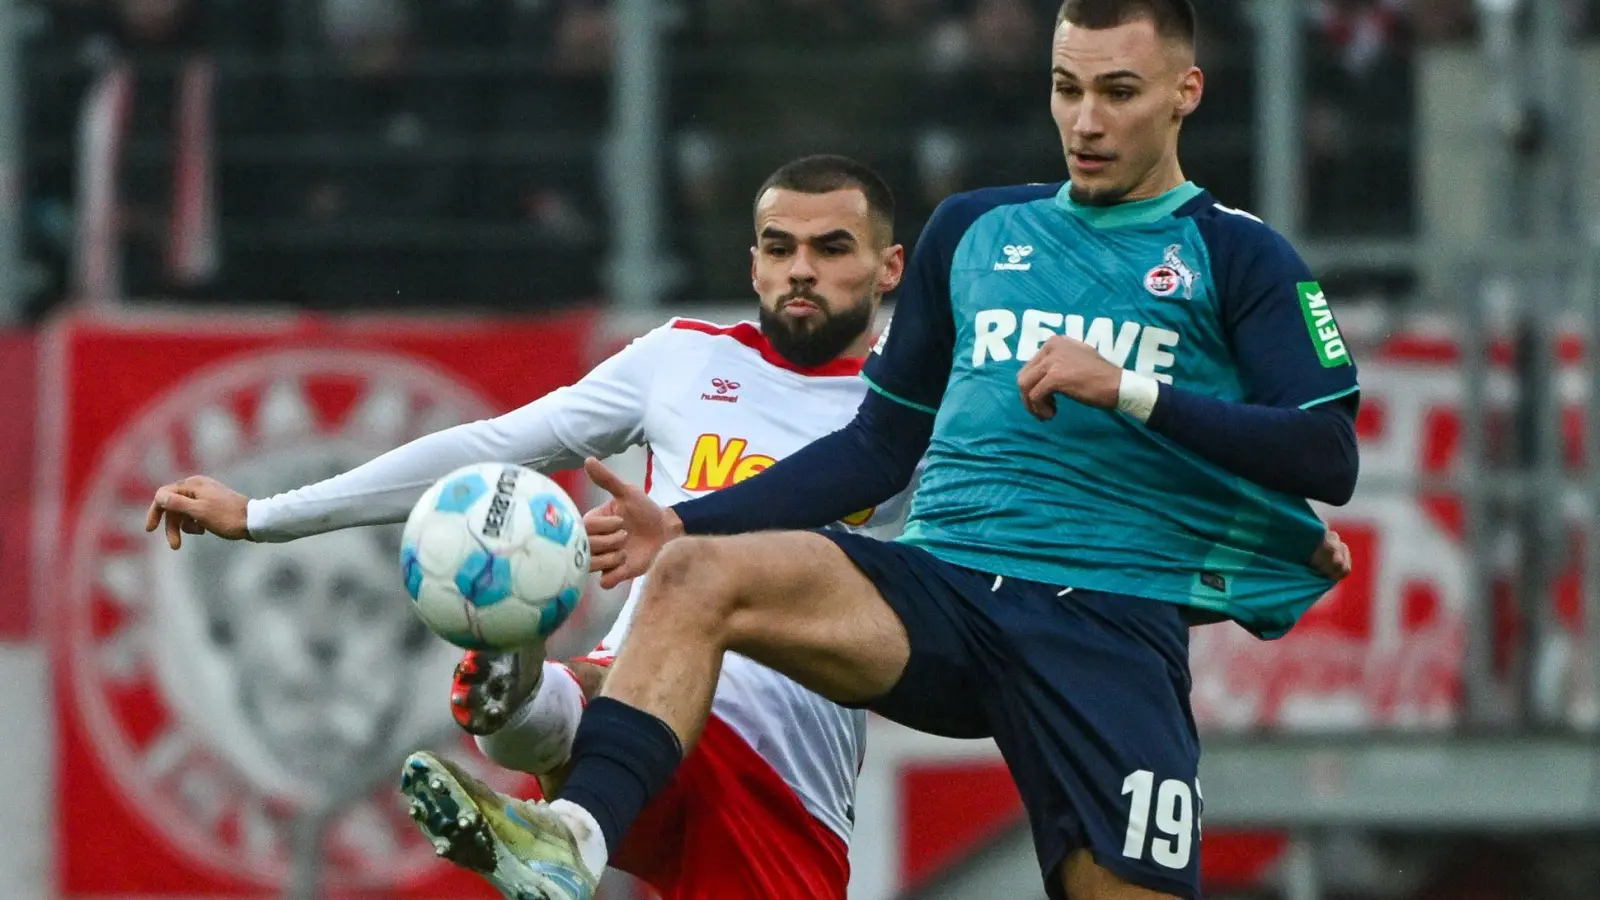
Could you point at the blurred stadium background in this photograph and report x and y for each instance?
(271, 238)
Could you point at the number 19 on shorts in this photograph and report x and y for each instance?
(1171, 808)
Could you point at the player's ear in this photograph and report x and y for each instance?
(1190, 88)
(755, 257)
(893, 269)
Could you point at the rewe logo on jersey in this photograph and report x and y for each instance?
(1324, 330)
(1015, 254)
(715, 464)
(999, 336)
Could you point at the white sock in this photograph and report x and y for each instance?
(591, 842)
(538, 738)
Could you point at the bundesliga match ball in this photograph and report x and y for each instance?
(495, 556)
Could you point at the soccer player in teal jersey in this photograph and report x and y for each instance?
(1124, 392)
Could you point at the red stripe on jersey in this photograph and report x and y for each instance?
(749, 335)
(728, 826)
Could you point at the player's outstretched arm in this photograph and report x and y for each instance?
(602, 414)
(859, 466)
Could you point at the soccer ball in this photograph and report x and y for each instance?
(495, 556)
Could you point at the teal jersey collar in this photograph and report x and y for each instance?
(1138, 212)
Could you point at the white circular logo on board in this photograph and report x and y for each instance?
(229, 688)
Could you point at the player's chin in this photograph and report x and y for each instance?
(799, 322)
(1100, 188)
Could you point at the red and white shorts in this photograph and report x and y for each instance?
(727, 827)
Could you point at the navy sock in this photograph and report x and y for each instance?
(621, 757)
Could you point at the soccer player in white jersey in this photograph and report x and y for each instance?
(763, 807)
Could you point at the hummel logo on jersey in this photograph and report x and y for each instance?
(997, 337)
(1015, 254)
(724, 391)
(1171, 276)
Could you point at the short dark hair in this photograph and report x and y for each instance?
(826, 173)
(1173, 19)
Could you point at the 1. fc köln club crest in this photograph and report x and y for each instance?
(222, 703)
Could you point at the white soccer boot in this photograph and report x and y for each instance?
(524, 849)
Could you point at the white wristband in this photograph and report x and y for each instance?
(1137, 395)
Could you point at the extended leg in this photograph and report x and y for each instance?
(790, 600)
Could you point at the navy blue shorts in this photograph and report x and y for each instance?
(1085, 693)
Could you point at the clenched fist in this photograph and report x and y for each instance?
(1071, 367)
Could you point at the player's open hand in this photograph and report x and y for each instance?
(627, 531)
(1332, 559)
(1071, 367)
(196, 505)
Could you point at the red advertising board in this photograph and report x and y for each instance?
(207, 700)
(1385, 648)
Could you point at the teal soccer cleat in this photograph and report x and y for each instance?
(521, 847)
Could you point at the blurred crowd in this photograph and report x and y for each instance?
(329, 153)
(411, 154)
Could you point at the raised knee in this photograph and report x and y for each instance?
(683, 561)
(688, 572)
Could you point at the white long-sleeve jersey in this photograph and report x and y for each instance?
(713, 405)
